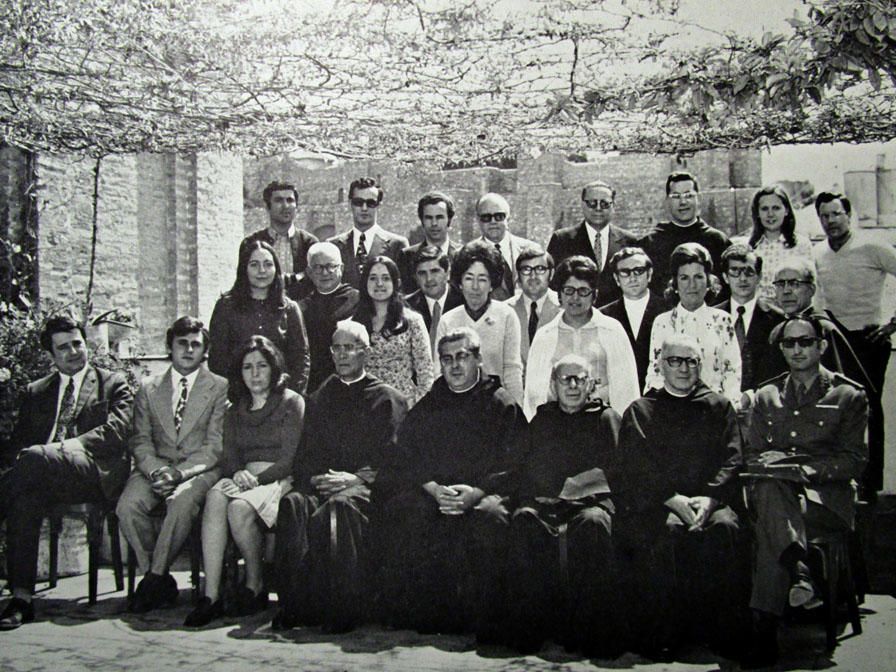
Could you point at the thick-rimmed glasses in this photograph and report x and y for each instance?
(487, 217)
(369, 202)
(676, 362)
(537, 270)
(580, 291)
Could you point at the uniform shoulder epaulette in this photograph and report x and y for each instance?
(839, 379)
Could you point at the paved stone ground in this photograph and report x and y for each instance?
(70, 635)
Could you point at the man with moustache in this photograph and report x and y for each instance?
(435, 296)
(493, 213)
(537, 304)
(435, 211)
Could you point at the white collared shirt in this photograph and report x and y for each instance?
(634, 310)
(369, 235)
(175, 385)
(749, 307)
(283, 247)
(539, 304)
(78, 379)
(441, 301)
(604, 234)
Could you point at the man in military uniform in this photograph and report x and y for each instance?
(806, 447)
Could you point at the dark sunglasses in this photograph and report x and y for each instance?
(487, 217)
(803, 341)
(369, 202)
(637, 271)
(595, 203)
(742, 270)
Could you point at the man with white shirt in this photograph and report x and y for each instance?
(176, 444)
(69, 445)
(596, 237)
(436, 295)
(366, 239)
(638, 307)
(537, 304)
(435, 211)
(493, 213)
(753, 323)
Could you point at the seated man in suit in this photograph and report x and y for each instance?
(493, 213)
(69, 445)
(596, 237)
(436, 296)
(806, 448)
(367, 238)
(435, 211)
(537, 304)
(742, 271)
(290, 243)
(176, 444)
(638, 307)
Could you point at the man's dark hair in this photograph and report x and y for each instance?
(680, 176)
(365, 183)
(578, 267)
(599, 183)
(533, 252)
(58, 324)
(477, 250)
(627, 253)
(186, 325)
(828, 196)
(432, 253)
(742, 253)
(434, 198)
(278, 186)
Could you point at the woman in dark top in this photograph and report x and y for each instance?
(261, 432)
(256, 304)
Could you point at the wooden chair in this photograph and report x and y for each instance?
(832, 551)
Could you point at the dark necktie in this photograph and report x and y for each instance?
(181, 405)
(533, 321)
(434, 325)
(739, 330)
(598, 252)
(507, 275)
(361, 253)
(66, 412)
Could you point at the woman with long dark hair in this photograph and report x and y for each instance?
(257, 305)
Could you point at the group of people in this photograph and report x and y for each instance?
(499, 438)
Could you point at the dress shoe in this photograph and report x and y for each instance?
(154, 591)
(204, 613)
(247, 603)
(17, 613)
(802, 592)
(283, 620)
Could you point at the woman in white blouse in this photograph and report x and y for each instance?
(691, 266)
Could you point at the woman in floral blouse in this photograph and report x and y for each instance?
(691, 266)
(400, 352)
(774, 236)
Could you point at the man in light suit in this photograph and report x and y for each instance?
(638, 307)
(366, 239)
(69, 445)
(436, 296)
(493, 212)
(595, 235)
(537, 304)
(435, 211)
(176, 444)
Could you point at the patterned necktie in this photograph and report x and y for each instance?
(181, 405)
(507, 276)
(533, 321)
(434, 325)
(598, 252)
(739, 330)
(66, 412)
(361, 252)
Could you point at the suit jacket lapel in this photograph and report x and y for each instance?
(583, 240)
(376, 246)
(88, 390)
(46, 399)
(520, 310)
(160, 398)
(196, 402)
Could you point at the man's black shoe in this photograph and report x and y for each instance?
(152, 592)
(204, 613)
(17, 613)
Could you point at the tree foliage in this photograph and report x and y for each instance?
(433, 80)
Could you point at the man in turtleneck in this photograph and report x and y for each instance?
(678, 449)
(331, 301)
(447, 520)
(350, 426)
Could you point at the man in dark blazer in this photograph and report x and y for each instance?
(366, 239)
(290, 243)
(435, 211)
(638, 307)
(595, 234)
(69, 446)
(432, 268)
(753, 323)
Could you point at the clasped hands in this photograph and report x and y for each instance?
(693, 511)
(164, 480)
(333, 481)
(454, 500)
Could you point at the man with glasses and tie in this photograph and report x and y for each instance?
(684, 226)
(366, 239)
(806, 448)
(493, 212)
(537, 304)
(69, 445)
(596, 237)
(176, 444)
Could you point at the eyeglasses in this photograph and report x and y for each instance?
(599, 204)
(742, 270)
(581, 291)
(347, 348)
(486, 217)
(790, 343)
(790, 284)
(369, 202)
(676, 362)
(683, 195)
(325, 268)
(579, 380)
(637, 271)
(461, 357)
(537, 270)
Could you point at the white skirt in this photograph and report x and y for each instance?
(265, 499)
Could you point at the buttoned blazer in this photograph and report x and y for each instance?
(759, 361)
(549, 311)
(383, 243)
(198, 446)
(406, 265)
(641, 344)
(418, 302)
(574, 240)
(102, 422)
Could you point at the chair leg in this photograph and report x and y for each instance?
(132, 570)
(830, 598)
(55, 531)
(115, 543)
(94, 540)
(195, 562)
(852, 604)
